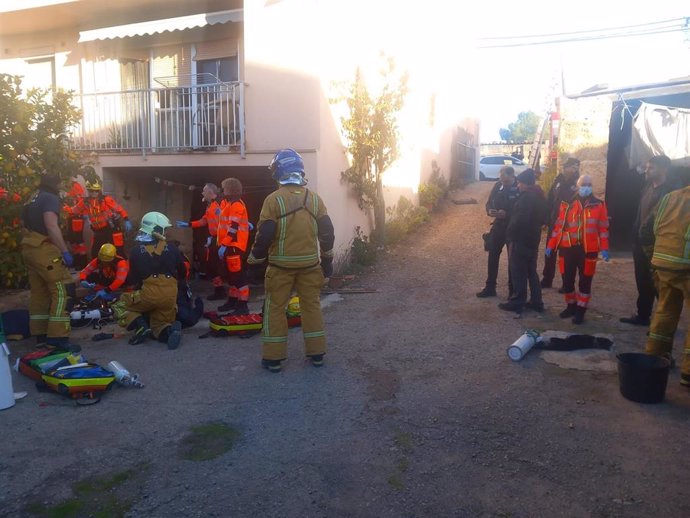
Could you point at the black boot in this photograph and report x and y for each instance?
(141, 330)
(579, 315)
(568, 312)
(218, 293)
(241, 308)
(487, 292)
(229, 305)
(174, 335)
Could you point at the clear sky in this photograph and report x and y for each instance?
(516, 79)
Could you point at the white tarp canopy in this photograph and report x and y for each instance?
(660, 130)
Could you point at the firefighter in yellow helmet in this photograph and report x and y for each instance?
(295, 236)
(109, 221)
(155, 267)
(106, 273)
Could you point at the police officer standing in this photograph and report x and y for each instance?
(155, 267)
(47, 259)
(295, 235)
(499, 206)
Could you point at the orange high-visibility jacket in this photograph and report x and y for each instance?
(100, 210)
(586, 225)
(209, 219)
(117, 270)
(233, 227)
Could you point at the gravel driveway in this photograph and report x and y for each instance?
(418, 412)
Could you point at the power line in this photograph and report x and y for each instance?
(584, 38)
(648, 24)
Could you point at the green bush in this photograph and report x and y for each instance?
(435, 190)
(403, 218)
(362, 250)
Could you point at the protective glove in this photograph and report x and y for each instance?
(221, 251)
(88, 285)
(251, 227)
(327, 266)
(548, 252)
(68, 259)
(605, 255)
(128, 225)
(209, 241)
(182, 224)
(103, 294)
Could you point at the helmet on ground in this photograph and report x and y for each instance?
(107, 252)
(94, 186)
(154, 223)
(287, 164)
(293, 308)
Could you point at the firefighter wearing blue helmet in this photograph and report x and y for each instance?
(295, 237)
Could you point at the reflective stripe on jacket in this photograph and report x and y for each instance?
(672, 231)
(100, 210)
(233, 227)
(295, 211)
(210, 219)
(118, 274)
(577, 225)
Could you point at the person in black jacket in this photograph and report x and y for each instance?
(564, 188)
(523, 235)
(499, 206)
(658, 185)
(155, 268)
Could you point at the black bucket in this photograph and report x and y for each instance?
(643, 377)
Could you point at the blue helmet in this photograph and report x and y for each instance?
(285, 162)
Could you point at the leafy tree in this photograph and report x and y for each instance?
(371, 131)
(505, 134)
(524, 128)
(34, 137)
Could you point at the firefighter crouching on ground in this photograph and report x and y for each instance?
(47, 258)
(105, 274)
(671, 263)
(580, 232)
(107, 219)
(213, 266)
(74, 209)
(294, 230)
(155, 267)
(233, 237)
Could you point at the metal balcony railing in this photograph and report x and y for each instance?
(207, 117)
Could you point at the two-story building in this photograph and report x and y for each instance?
(176, 93)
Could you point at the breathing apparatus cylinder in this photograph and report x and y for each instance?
(522, 345)
(90, 314)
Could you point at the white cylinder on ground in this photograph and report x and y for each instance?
(522, 345)
(6, 390)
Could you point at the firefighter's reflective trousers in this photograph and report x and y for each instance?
(52, 286)
(279, 283)
(674, 288)
(157, 298)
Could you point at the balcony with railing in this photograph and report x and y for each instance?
(208, 117)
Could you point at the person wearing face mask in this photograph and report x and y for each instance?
(580, 233)
(657, 186)
(233, 237)
(210, 220)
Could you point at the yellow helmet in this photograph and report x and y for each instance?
(107, 253)
(293, 308)
(94, 186)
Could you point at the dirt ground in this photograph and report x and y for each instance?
(418, 412)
